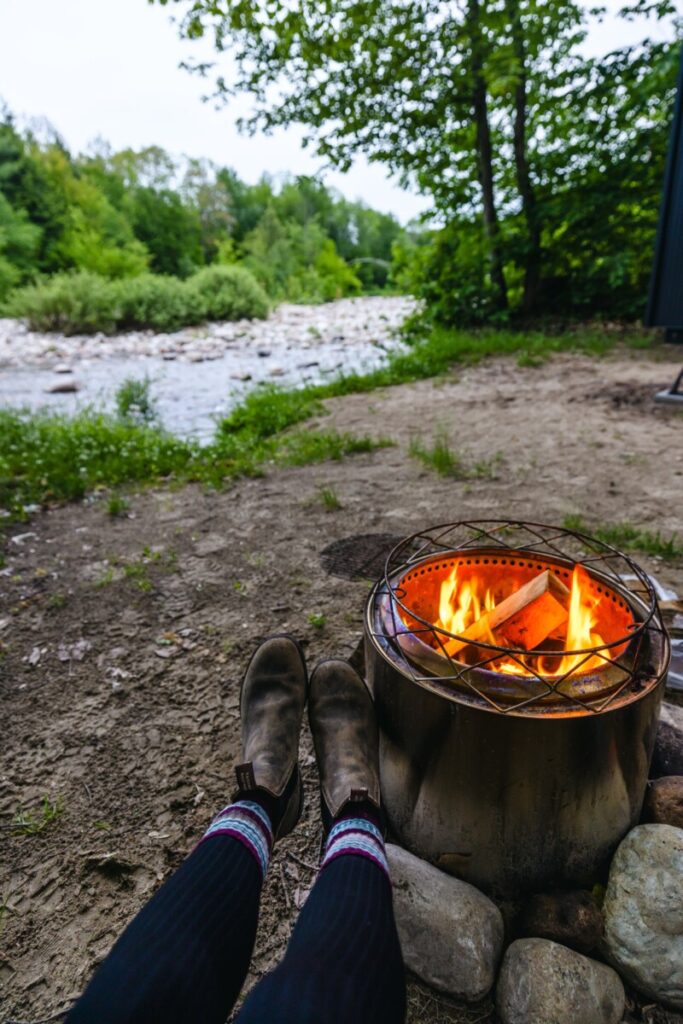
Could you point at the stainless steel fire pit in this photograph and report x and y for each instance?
(514, 769)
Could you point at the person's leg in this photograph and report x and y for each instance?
(343, 964)
(185, 956)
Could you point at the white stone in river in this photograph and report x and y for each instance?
(542, 982)
(451, 934)
(644, 912)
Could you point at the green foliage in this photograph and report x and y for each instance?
(317, 619)
(628, 537)
(544, 165)
(83, 303)
(142, 215)
(134, 401)
(117, 506)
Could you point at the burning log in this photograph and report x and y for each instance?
(524, 619)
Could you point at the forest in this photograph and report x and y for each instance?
(126, 239)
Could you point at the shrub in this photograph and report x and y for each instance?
(80, 303)
(134, 401)
(229, 293)
(83, 303)
(162, 303)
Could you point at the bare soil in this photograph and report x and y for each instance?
(123, 641)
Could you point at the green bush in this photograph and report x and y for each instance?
(229, 293)
(83, 303)
(80, 303)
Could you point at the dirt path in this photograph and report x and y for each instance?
(123, 641)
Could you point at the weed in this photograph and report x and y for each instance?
(305, 447)
(328, 497)
(29, 823)
(628, 537)
(106, 578)
(237, 585)
(317, 619)
(117, 506)
(439, 457)
(101, 826)
(56, 601)
(134, 401)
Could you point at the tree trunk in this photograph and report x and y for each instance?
(485, 157)
(532, 269)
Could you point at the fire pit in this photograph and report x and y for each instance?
(517, 671)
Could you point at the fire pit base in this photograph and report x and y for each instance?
(510, 804)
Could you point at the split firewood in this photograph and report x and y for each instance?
(524, 619)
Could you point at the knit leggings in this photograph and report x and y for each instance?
(184, 958)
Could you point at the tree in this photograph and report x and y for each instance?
(489, 108)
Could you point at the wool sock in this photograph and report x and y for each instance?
(343, 962)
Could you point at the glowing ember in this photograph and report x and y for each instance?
(541, 616)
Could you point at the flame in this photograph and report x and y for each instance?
(464, 602)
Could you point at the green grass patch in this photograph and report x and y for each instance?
(628, 537)
(329, 498)
(31, 822)
(442, 459)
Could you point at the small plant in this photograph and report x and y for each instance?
(134, 401)
(328, 497)
(117, 506)
(317, 619)
(628, 537)
(439, 457)
(30, 823)
(56, 601)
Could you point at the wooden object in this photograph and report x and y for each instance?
(522, 620)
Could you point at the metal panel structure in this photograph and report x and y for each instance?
(665, 303)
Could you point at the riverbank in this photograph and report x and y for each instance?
(199, 374)
(124, 638)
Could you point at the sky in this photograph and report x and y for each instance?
(109, 68)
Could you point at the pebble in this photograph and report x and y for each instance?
(451, 934)
(668, 755)
(664, 802)
(542, 982)
(570, 918)
(644, 912)
(63, 387)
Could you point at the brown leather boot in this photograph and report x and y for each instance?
(271, 707)
(342, 719)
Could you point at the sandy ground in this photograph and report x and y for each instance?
(119, 686)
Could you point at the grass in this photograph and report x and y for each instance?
(446, 462)
(30, 823)
(117, 506)
(317, 619)
(439, 457)
(628, 537)
(47, 458)
(329, 498)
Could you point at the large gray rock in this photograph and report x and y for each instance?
(668, 755)
(644, 912)
(542, 982)
(451, 934)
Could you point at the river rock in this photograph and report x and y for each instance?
(668, 755)
(570, 918)
(63, 387)
(664, 801)
(542, 982)
(644, 912)
(451, 934)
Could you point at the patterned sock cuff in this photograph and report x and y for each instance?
(356, 836)
(247, 822)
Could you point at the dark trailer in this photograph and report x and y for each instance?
(665, 302)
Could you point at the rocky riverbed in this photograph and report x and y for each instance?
(197, 374)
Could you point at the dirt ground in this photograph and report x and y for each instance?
(123, 641)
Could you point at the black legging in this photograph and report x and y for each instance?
(184, 958)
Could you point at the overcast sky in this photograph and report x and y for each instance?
(110, 68)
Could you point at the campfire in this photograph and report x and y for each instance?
(552, 622)
(517, 680)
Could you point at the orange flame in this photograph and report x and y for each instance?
(462, 603)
